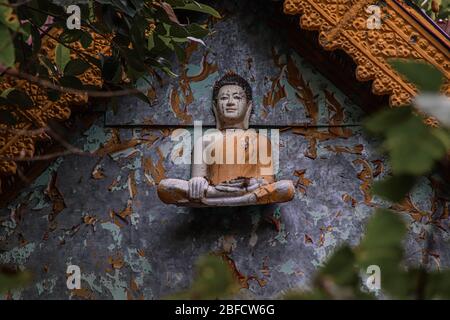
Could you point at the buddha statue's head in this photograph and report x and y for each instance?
(232, 102)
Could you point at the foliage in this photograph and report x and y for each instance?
(11, 279)
(414, 148)
(436, 9)
(339, 278)
(213, 280)
(425, 76)
(145, 35)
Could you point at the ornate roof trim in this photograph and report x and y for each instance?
(404, 33)
(20, 140)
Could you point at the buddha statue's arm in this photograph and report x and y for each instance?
(199, 171)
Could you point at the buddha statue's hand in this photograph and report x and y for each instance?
(197, 188)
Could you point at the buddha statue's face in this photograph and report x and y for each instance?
(232, 107)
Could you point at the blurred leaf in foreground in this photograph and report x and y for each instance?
(382, 246)
(413, 148)
(339, 278)
(213, 280)
(12, 279)
(424, 76)
(393, 188)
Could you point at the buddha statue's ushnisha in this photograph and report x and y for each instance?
(233, 165)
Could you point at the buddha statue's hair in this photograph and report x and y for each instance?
(231, 78)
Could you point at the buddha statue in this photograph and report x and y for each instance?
(232, 164)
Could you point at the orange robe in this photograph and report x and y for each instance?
(250, 161)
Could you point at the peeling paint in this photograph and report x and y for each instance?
(46, 285)
(90, 279)
(288, 267)
(115, 232)
(115, 285)
(161, 243)
(18, 255)
(138, 264)
(96, 136)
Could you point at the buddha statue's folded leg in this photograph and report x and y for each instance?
(176, 191)
(281, 191)
(173, 191)
(235, 188)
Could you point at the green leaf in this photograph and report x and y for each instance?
(25, 29)
(32, 12)
(137, 35)
(143, 98)
(91, 10)
(382, 246)
(36, 37)
(8, 17)
(340, 268)
(7, 56)
(86, 40)
(169, 72)
(76, 67)
(150, 42)
(71, 82)
(413, 148)
(94, 61)
(175, 3)
(167, 42)
(134, 74)
(197, 31)
(382, 242)
(133, 60)
(52, 8)
(114, 105)
(5, 92)
(443, 135)
(425, 76)
(111, 70)
(169, 12)
(386, 119)
(179, 51)
(48, 64)
(121, 40)
(11, 279)
(19, 98)
(53, 95)
(159, 48)
(7, 117)
(338, 278)
(69, 36)
(124, 7)
(178, 31)
(438, 285)
(198, 7)
(394, 188)
(62, 56)
(305, 295)
(213, 280)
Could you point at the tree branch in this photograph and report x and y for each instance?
(47, 84)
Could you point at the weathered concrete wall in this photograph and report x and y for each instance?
(242, 42)
(102, 213)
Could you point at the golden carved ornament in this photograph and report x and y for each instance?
(404, 33)
(16, 144)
